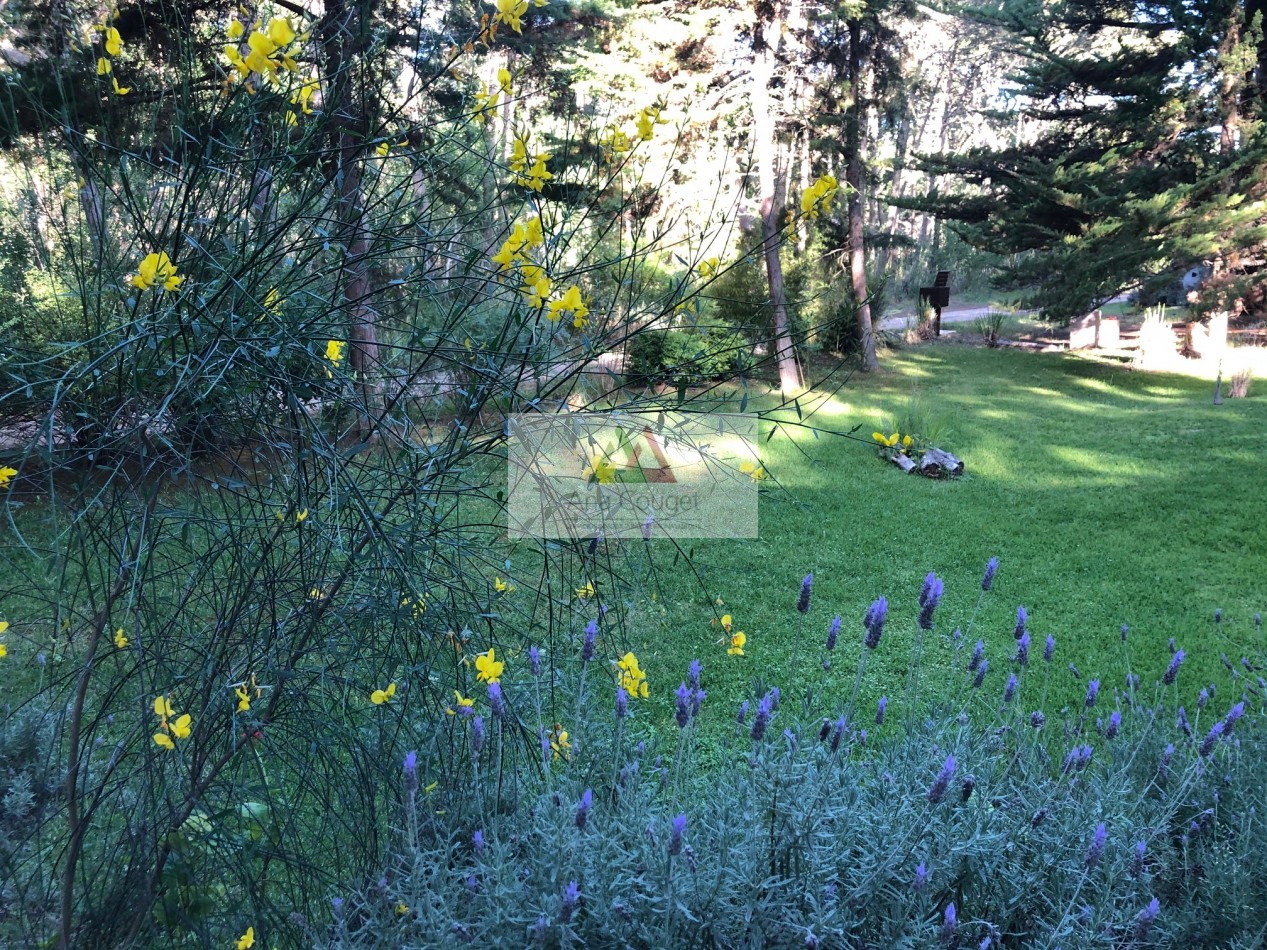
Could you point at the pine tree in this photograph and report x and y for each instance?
(1149, 156)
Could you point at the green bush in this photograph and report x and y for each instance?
(687, 357)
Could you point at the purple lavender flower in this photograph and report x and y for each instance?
(1163, 766)
(824, 731)
(862, 737)
(874, 621)
(921, 877)
(1137, 859)
(1258, 620)
(1211, 738)
(832, 632)
(1049, 648)
(937, 790)
(929, 599)
(1184, 724)
(948, 924)
(1144, 922)
(336, 904)
(583, 809)
(697, 700)
(1074, 670)
(675, 834)
(1203, 698)
(1095, 850)
(477, 734)
(1233, 714)
(1125, 629)
(587, 648)
(410, 767)
(683, 706)
(1132, 680)
(968, 787)
(539, 930)
(1172, 646)
(1037, 719)
(1084, 757)
(1038, 818)
(534, 660)
(775, 695)
(1115, 723)
(742, 716)
(839, 733)
(987, 579)
(1218, 615)
(693, 674)
(802, 602)
(571, 897)
(1009, 691)
(477, 841)
(1173, 669)
(980, 677)
(495, 700)
(1093, 690)
(977, 653)
(765, 709)
(646, 527)
(622, 703)
(1022, 618)
(879, 710)
(1022, 650)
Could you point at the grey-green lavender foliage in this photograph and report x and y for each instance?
(1040, 831)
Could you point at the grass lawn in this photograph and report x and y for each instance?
(1109, 497)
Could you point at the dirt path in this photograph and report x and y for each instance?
(949, 315)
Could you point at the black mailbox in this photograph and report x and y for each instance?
(937, 296)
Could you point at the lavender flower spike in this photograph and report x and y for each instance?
(980, 677)
(991, 566)
(1049, 648)
(937, 790)
(832, 632)
(583, 809)
(1095, 850)
(977, 653)
(1009, 691)
(587, 649)
(948, 924)
(534, 660)
(495, 701)
(675, 834)
(1211, 738)
(874, 621)
(1233, 715)
(1093, 690)
(1144, 922)
(1173, 669)
(765, 709)
(477, 734)
(929, 599)
(802, 602)
(1115, 723)
(693, 674)
(921, 877)
(683, 706)
(880, 709)
(1022, 618)
(622, 703)
(1022, 650)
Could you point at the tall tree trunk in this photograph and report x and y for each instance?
(854, 177)
(1230, 86)
(763, 146)
(895, 185)
(347, 25)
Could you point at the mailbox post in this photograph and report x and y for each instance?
(937, 296)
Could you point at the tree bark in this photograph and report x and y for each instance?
(854, 177)
(347, 26)
(764, 153)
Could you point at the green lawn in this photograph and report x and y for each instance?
(1109, 497)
